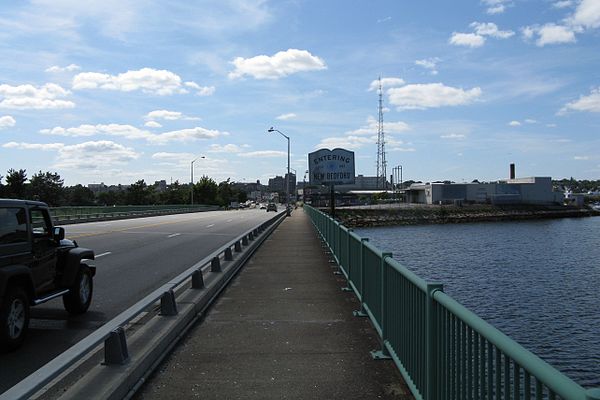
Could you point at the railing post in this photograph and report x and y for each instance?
(361, 312)
(348, 287)
(168, 305)
(431, 332)
(383, 354)
(228, 254)
(215, 265)
(245, 240)
(237, 247)
(115, 348)
(197, 279)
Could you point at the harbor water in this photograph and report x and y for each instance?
(536, 281)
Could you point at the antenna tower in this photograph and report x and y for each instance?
(381, 163)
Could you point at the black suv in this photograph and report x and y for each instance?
(37, 264)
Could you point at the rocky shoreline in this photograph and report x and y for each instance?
(414, 215)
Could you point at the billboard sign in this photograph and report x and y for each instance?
(331, 167)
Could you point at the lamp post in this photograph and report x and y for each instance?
(287, 181)
(398, 173)
(192, 178)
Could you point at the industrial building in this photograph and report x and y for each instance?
(534, 190)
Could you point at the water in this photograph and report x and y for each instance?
(536, 281)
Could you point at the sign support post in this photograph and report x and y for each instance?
(332, 201)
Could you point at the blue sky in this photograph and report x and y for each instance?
(119, 90)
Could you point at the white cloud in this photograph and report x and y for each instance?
(496, 6)
(68, 68)
(531, 121)
(429, 63)
(7, 121)
(431, 95)
(562, 4)
(551, 125)
(92, 155)
(490, 29)
(148, 80)
(589, 103)
(554, 34)
(280, 65)
(514, 123)
(587, 14)
(386, 83)
(228, 148)
(131, 132)
(285, 117)
(31, 97)
(87, 155)
(153, 124)
(264, 153)
(164, 114)
(346, 142)
(581, 158)
(201, 90)
(467, 39)
(454, 136)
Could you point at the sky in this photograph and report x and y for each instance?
(115, 91)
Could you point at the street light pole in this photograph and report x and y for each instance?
(192, 178)
(287, 181)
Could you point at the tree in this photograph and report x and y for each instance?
(205, 191)
(79, 195)
(15, 183)
(47, 187)
(175, 194)
(225, 193)
(140, 193)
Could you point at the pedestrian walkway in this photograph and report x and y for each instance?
(283, 329)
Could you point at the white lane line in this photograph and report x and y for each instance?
(173, 235)
(229, 220)
(210, 226)
(103, 254)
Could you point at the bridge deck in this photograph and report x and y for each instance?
(282, 330)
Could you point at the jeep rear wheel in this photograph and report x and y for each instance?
(14, 318)
(78, 300)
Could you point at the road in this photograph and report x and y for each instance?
(133, 257)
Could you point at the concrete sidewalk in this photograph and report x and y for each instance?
(282, 330)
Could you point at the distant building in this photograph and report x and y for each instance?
(97, 187)
(160, 186)
(360, 183)
(534, 190)
(277, 184)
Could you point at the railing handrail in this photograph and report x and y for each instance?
(62, 362)
(557, 382)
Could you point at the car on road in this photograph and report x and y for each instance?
(37, 264)
(271, 207)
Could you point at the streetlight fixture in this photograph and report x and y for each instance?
(287, 181)
(192, 178)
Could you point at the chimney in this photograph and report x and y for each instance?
(512, 171)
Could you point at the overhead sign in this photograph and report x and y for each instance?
(331, 167)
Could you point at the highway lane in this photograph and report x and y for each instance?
(134, 257)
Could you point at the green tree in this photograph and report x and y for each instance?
(79, 195)
(175, 194)
(111, 198)
(205, 191)
(47, 187)
(140, 193)
(225, 193)
(15, 183)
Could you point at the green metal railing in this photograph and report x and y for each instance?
(65, 214)
(443, 350)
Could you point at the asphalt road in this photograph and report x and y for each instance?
(133, 257)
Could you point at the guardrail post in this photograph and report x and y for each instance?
(168, 305)
(362, 312)
(115, 348)
(228, 254)
(251, 235)
(197, 279)
(215, 265)
(383, 354)
(431, 333)
(237, 247)
(245, 240)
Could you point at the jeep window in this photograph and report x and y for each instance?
(13, 225)
(40, 223)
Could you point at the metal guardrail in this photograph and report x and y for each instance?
(62, 215)
(443, 350)
(112, 334)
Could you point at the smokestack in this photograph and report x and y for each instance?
(512, 171)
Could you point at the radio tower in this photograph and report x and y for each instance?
(381, 163)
